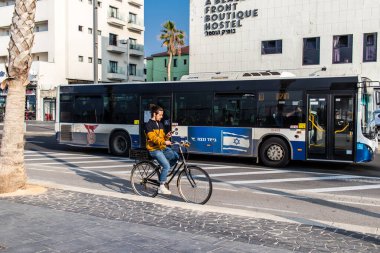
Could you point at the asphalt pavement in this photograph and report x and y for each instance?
(74, 219)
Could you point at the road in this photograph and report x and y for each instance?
(307, 192)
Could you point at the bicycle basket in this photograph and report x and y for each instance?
(139, 154)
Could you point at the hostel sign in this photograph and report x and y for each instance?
(223, 17)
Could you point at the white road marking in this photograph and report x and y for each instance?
(298, 179)
(245, 173)
(100, 161)
(345, 188)
(260, 208)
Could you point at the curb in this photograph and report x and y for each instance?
(214, 209)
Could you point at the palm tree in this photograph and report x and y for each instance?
(173, 40)
(12, 168)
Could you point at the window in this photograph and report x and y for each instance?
(271, 47)
(113, 67)
(342, 49)
(121, 108)
(280, 109)
(88, 109)
(235, 109)
(193, 109)
(311, 51)
(132, 18)
(132, 43)
(166, 63)
(99, 4)
(89, 30)
(99, 32)
(113, 39)
(89, 59)
(175, 63)
(184, 61)
(89, 1)
(174, 78)
(80, 58)
(113, 12)
(37, 29)
(132, 69)
(99, 61)
(165, 79)
(370, 47)
(80, 28)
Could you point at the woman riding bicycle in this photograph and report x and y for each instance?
(157, 144)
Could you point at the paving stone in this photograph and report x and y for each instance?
(215, 229)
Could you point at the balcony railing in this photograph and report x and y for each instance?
(136, 24)
(115, 18)
(136, 50)
(116, 73)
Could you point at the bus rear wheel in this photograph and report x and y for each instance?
(274, 152)
(120, 144)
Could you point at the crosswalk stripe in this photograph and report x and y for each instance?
(74, 158)
(100, 161)
(245, 173)
(343, 188)
(298, 179)
(74, 170)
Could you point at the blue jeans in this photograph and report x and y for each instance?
(166, 158)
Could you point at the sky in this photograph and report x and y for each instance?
(157, 12)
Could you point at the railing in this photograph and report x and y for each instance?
(136, 21)
(116, 70)
(117, 15)
(137, 47)
(139, 73)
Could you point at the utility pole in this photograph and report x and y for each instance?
(126, 42)
(95, 38)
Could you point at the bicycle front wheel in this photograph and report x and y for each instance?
(144, 179)
(194, 185)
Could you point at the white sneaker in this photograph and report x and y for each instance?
(163, 190)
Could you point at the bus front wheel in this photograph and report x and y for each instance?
(120, 144)
(274, 152)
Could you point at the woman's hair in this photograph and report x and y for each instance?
(155, 109)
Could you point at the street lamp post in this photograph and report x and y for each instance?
(126, 42)
(95, 38)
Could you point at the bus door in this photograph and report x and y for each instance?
(330, 127)
(146, 101)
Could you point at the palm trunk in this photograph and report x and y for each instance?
(12, 170)
(170, 66)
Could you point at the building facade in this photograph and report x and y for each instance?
(63, 47)
(156, 66)
(304, 37)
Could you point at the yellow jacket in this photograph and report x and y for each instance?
(155, 136)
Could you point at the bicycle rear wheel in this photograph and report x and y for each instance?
(194, 186)
(144, 179)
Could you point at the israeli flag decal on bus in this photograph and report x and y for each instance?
(235, 142)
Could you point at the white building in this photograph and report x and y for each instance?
(63, 46)
(304, 37)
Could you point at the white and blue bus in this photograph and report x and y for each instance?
(274, 120)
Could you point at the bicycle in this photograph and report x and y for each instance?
(193, 183)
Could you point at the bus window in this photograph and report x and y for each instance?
(234, 109)
(121, 109)
(192, 109)
(88, 109)
(280, 109)
(66, 108)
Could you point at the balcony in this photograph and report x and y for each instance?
(136, 25)
(117, 74)
(138, 76)
(136, 50)
(137, 3)
(116, 19)
(117, 49)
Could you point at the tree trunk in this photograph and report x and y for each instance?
(12, 170)
(170, 66)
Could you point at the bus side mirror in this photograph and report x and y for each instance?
(378, 97)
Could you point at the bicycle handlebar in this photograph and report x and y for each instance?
(185, 144)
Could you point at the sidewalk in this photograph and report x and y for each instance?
(72, 220)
